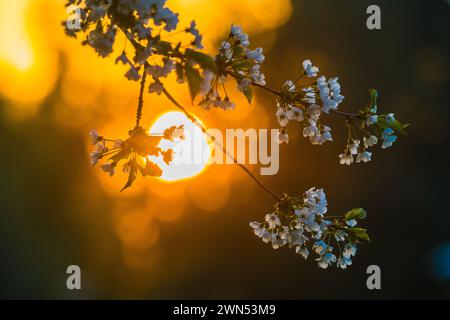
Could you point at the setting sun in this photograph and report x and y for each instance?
(191, 154)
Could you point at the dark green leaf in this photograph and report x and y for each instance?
(244, 64)
(248, 93)
(373, 100)
(373, 94)
(238, 52)
(205, 61)
(358, 233)
(132, 175)
(163, 47)
(179, 70)
(194, 80)
(395, 125)
(122, 154)
(357, 213)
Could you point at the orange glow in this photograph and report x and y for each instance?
(37, 60)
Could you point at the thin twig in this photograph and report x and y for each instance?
(224, 150)
(141, 99)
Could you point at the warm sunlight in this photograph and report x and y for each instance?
(191, 154)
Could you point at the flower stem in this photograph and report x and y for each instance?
(224, 150)
(141, 99)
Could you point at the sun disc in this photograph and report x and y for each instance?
(191, 154)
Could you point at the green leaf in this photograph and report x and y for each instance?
(395, 125)
(357, 213)
(204, 60)
(373, 100)
(238, 51)
(244, 64)
(194, 80)
(373, 94)
(122, 154)
(358, 233)
(163, 47)
(179, 70)
(132, 175)
(248, 93)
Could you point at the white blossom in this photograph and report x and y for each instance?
(343, 262)
(310, 70)
(156, 87)
(197, 36)
(370, 141)
(282, 116)
(326, 260)
(320, 247)
(351, 223)
(388, 138)
(109, 167)
(353, 146)
(295, 114)
(256, 55)
(371, 119)
(132, 74)
(349, 250)
(289, 86)
(272, 220)
(345, 158)
(390, 118)
(282, 137)
(309, 95)
(95, 137)
(302, 251)
(364, 156)
(240, 36)
(340, 235)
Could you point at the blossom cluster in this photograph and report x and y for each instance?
(236, 58)
(135, 151)
(305, 104)
(145, 23)
(300, 223)
(366, 130)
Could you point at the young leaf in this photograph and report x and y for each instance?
(244, 64)
(373, 100)
(179, 70)
(357, 213)
(358, 233)
(205, 61)
(132, 175)
(163, 47)
(248, 93)
(122, 154)
(395, 125)
(194, 80)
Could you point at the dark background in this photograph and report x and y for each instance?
(404, 189)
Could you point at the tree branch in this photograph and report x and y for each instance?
(278, 93)
(224, 150)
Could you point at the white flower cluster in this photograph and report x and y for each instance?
(299, 223)
(373, 128)
(305, 103)
(236, 58)
(354, 147)
(135, 151)
(142, 22)
(330, 93)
